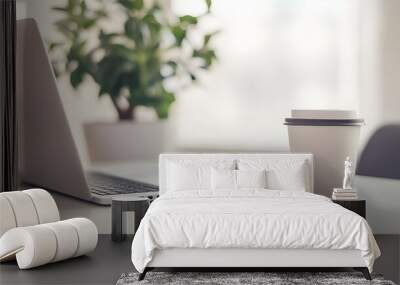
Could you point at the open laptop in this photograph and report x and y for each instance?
(49, 156)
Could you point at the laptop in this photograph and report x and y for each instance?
(48, 154)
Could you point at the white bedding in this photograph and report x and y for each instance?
(250, 218)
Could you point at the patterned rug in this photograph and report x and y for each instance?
(244, 278)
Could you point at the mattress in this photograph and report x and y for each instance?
(250, 219)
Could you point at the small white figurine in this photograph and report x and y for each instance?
(348, 173)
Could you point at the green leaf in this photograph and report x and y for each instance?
(106, 38)
(164, 104)
(179, 34)
(76, 51)
(89, 23)
(132, 4)
(208, 37)
(76, 77)
(63, 27)
(125, 53)
(60, 9)
(53, 46)
(138, 4)
(209, 56)
(208, 3)
(115, 72)
(83, 7)
(154, 78)
(189, 20)
(133, 30)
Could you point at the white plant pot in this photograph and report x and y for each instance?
(331, 136)
(127, 141)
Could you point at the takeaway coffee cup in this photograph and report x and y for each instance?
(331, 135)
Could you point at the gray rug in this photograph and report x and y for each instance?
(269, 278)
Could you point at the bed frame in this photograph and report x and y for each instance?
(242, 259)
(245, 259)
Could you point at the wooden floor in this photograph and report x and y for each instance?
(110, 260)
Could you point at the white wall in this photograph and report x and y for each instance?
(21, 9)
(380, 102)
(273, 56)
(390, 53)
(380, 63)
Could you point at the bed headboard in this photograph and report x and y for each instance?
(165, 158)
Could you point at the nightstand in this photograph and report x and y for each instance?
(357, 206)
(121, 204)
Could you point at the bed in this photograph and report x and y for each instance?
(247, 210)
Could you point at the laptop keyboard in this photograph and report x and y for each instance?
(105, 184)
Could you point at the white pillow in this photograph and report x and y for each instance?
(281, 174)
(292, 178)
(185, 177)
(251, 178)
(193, 174)
(237, 179)
(223, 179)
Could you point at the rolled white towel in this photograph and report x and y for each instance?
(87, 234)
(37, 245)
(32, 246)
(26, 208)
(46, 207)
(67, 240)
(23, 208)
(7, 218)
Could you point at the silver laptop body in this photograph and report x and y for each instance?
(48, 154)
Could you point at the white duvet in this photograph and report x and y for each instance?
(250, 219)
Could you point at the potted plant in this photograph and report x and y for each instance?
(131, 66)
